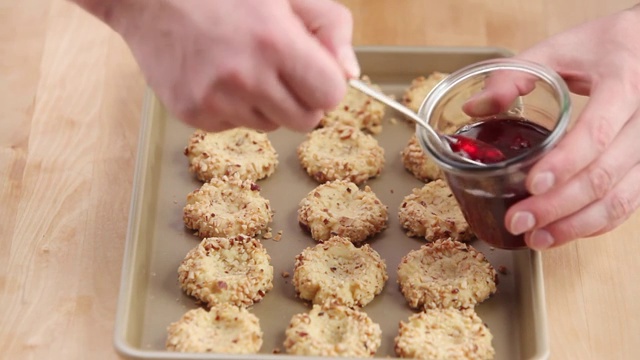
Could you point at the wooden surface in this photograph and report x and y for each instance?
(70, 102)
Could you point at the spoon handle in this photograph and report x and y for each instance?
(365, 88)
(444, 139)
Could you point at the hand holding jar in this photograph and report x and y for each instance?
(590, 182)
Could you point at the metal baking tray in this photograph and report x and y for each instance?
(151, 298)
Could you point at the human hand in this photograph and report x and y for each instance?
(219, 64)
(590, 183)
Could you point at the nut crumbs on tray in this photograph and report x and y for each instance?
(502, 270)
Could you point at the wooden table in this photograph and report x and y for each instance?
(70, 103)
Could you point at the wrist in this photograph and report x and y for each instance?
(118, 14)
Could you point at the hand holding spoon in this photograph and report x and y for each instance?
(466, 149)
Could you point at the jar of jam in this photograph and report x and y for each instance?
(526, 112)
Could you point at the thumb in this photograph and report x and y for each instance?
(503, 87)
(331, 23)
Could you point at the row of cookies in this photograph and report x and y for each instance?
(228, 275)
(229, 270)
(336, 276)
(338, 279)
(445, 278)
(342, 148)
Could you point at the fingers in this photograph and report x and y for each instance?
(228, 109)
(207, 123)
(595, 219)
(500, 90)
(311, 74)
(595, 129)
(309, 70)
(591, 184)
(301, 80)
(264, 107)
(278, 104)
(332, 24)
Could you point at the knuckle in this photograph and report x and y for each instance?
(601, 134)
(620, 207)
(235, 76)
(631, 83)
(312, 119)
(268, 41)
(230, 75)
(565, 230)
(202, 120)
(607, 228)
(211, 104)
(186, 108)
(569, 230)
(305, 121)
(267, 126)
(600, 180)
(262, 121)
(547, 214)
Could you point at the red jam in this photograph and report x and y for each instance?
(475, 150)
(485, 205)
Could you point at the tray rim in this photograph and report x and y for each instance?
(435, 49)
(149, 106)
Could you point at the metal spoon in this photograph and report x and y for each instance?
(446, 140)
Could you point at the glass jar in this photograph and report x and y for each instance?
(485, 193)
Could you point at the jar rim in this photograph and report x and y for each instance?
(434, 146)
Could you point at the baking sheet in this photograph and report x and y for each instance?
(151, 298)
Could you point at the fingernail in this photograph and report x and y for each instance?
(540, 240)
(542, 183)
(349, 61)
(522, 222)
